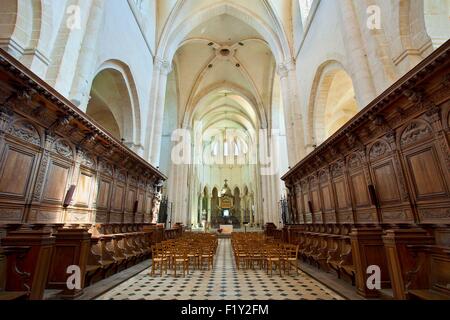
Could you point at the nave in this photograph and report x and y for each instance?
(223, 282)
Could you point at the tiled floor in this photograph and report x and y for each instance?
(224, 282)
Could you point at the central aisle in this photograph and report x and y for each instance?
(224, 282)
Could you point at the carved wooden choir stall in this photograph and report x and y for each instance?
(70, 194)
(378, 191)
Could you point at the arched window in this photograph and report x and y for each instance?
(236, 147)
(225, 149)
(215, 149)
(305, 8)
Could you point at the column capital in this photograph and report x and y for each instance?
(164, 66)
(285, 67)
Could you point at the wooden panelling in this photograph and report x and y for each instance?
(341, 193)
(131, 199)
(148, 203)
(426, 174)
(47, 145)
(56, 182)
(117, 201)
(386, 182)
(84, 191)
(359, 189)
(15, 172)
(141, 202)
(104, 190)
(326, 196)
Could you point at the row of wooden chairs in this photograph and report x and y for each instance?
(264, 252)
(114, 249)
(326, 251)
(191, 250)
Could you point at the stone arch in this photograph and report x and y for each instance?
(437, 22)
(423, 25)
(332, 101)
(28, 31)
(176, 31)
(122, 102)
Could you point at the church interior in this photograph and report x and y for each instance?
(224, 150)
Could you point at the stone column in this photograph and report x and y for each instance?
(82, 82)
(292, 112)
(357, 56)
(161, 70)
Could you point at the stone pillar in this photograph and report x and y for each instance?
(71, 248)
(292, 112)
(368, 250)
(400, 260)
(161, 70)
(36, 262)
(357, 57)
(82, 82)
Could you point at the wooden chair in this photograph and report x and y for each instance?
(194, 255)
(291, 256)
(257, 256)
(273, 258)
(240, 255)
(207, 254)
(159, 260)
(180, 258)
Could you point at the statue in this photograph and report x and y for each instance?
(156, 203)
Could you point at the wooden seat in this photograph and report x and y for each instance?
(180, 258)
(159, 260)
(430, 278)
(291, 258)
(14, 254)
(427, 295)
(273, 259)
(207, 254)
(11, 296)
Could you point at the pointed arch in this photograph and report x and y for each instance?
(128, 114)
(175, 32)
(332, 101)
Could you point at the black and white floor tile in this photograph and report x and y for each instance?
(224, 282)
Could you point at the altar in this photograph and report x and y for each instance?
(226, 228)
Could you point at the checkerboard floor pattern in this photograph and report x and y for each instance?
(224, 282)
